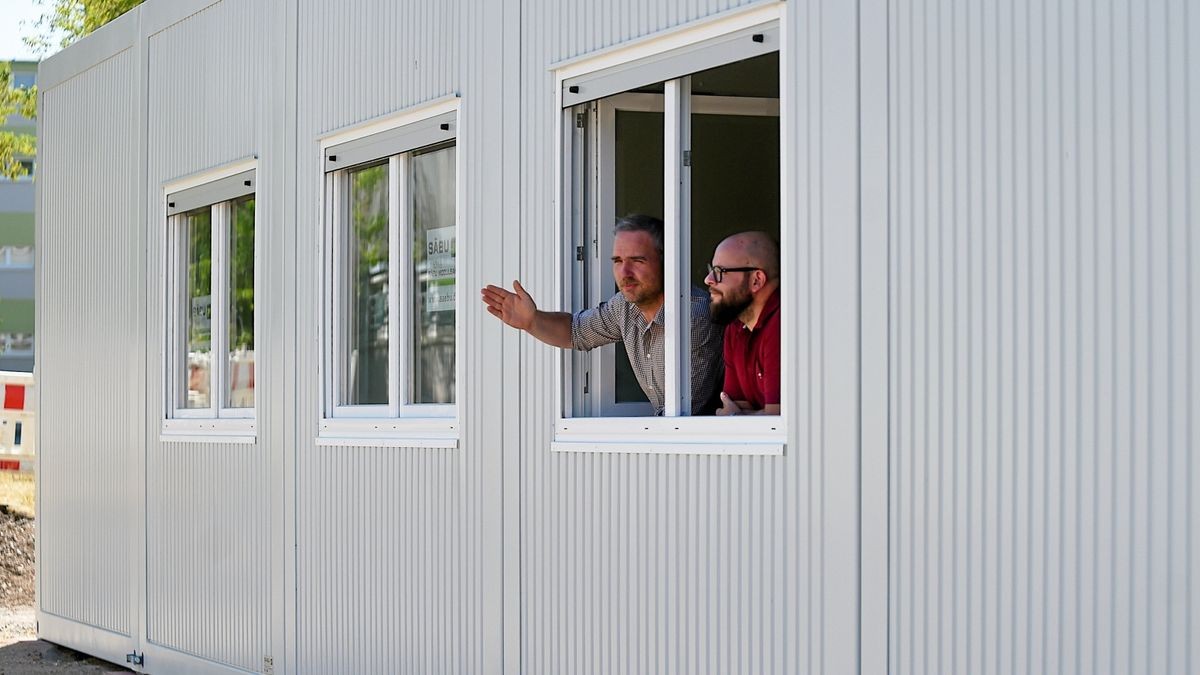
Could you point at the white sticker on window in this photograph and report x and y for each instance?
(439, 266)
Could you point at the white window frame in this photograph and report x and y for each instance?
(398, 423)
(602, 366)
(217, 423)
(673, 433)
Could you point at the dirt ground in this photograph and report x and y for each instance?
(20, 651)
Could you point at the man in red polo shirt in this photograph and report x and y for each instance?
(743, 282)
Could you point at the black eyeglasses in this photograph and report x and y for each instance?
(718, 272)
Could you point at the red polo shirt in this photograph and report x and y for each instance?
(752, 358)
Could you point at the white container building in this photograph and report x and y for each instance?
(279, 433)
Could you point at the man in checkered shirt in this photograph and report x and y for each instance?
(634, 316)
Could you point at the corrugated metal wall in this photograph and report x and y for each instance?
(1044, 308)
(390, 541)
(1041, 361)
(208, 507)
(691, 564)
(88, 451)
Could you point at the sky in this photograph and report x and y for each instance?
(16, 20)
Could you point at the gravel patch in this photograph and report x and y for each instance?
(17, 567)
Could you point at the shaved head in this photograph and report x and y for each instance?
(751, 249)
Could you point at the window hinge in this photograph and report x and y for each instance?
(579, 253)
(687, 157)
(578, 120)
(136, 658)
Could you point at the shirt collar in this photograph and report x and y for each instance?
(768, 310)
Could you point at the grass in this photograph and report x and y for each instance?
(16, 492)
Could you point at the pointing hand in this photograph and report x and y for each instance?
(516, 309)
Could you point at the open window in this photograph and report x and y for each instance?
(391, 305)
(689, 134)
(211, 289)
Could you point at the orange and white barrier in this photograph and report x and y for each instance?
(17, 443)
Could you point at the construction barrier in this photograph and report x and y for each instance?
(17, 440)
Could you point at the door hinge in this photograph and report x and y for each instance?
(579, 253)
(136, 658)
(687, 157)
(578, 120)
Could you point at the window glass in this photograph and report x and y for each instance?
(240, 371)
(210, 302)
(434, 273)
(24, 80)
(16, 344)
(366, 286)
(735, 155)
(394, 262)
(197, 304)
(729, 182)
(637, 183)
(21, 255)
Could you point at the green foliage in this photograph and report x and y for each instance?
(241, 273)
(61, 22)
(65, 21)
(370, 216)
(15, 146)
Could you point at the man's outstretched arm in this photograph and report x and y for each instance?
(517, 309)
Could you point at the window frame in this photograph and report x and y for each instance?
(209, 189)
(673, 433)
(398, 423)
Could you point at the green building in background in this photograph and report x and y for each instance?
(16, 245)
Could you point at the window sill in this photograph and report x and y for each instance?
(389, 433)
(220, 430)
(754, 436)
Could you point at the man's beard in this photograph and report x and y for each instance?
(640, 295)
(729, 306)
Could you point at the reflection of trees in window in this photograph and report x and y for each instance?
(198, 306)
(369, 236)
(199, 274)
(432, 379)
(241, 275)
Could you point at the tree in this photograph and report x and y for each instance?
(64, 22)
(15, 145)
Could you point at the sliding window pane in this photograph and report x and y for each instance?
(197, 303)
(434, 276)
(365, 328)
(240, 392)
(638, 187)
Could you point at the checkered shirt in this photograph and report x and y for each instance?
(620, 320)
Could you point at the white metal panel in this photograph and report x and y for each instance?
(687, 564)
(1043, 353)
(209, 507)
(366, 58)
(207, 90)
(386, 577)
(89, 346)
(398, 563)
(208, 552)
